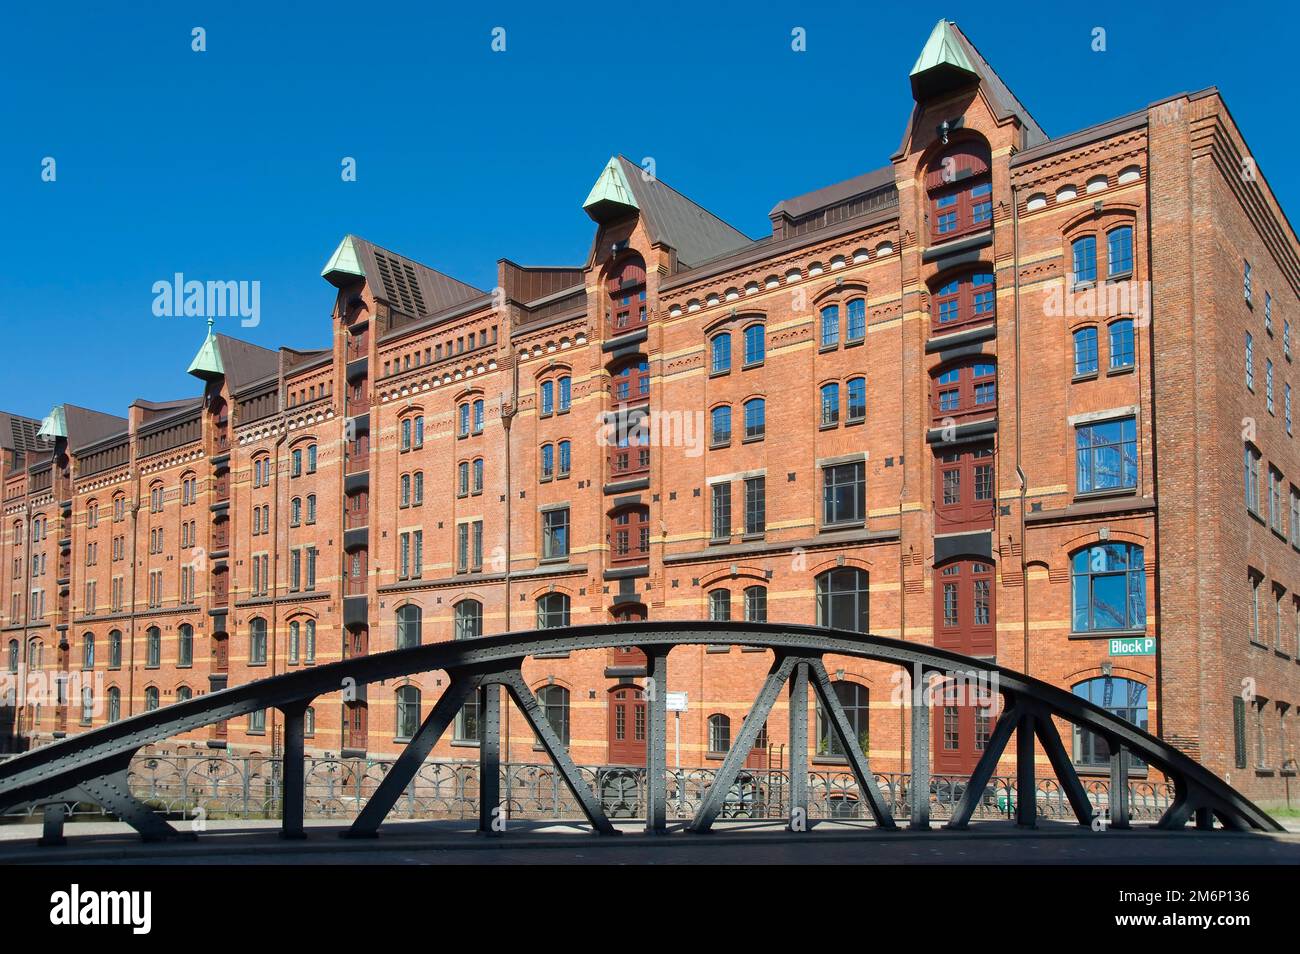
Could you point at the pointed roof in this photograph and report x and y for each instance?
(611, 195)
(344, 264)
(949, 61)
(55, 424)
(943, 63)
(692, 230)
(207, 364)
(403, 283)
(18, 433)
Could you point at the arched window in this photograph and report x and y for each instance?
(478, 417)
(295, 511)
(184, 694)
(830, 404)
(150, 698)
(631, 381)
(960, 191)
(185, 645)
(153, 648)
(756, 604)
(855, 701)
(627, 294)
(295, 637)
(965, 389)
(629, 534)
(310, 646)
(564, 393)
(13, 655)
(1083, 259)
(309, 722)
(719, 605)
(88, 651)
(1085, 351)
(554, 701)
(755, 419)
(830, 326)
(719, 734)
(755, 345)
(720, 425)
(408, 712)
(548, 397)
(856, 329)
(552, 611)
(1121, 344)
(409, 624)
(964, 610)
(257, 641)
(115, 649)
(469, 619)
(842, 598)
(1119, 252)
(114, 704)
(1126, 698)
(855, 410)
(547, 462)
(462, 478)
(1109, 588)
(564, 461)
(720, 354)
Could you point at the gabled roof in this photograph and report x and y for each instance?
(245, 362)
(836, 193)
(403, 283)
(84, 426)
(693, 231)
(19, 433)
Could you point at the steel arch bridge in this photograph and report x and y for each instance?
(92, 766)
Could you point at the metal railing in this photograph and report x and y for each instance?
(234, 787)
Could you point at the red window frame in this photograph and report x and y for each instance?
(630, 456)
(955, 174)
(964, 390)
(963, 298)
(958, 585)
(965, 488)
(629, 535)
(637, 378)
(626, 288)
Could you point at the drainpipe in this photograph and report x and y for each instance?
(1020, 469)
(902, 561)
(506, 420)
(275, 548)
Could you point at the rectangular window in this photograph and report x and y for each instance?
(1275, 516)
(1268, 384)
(1239, 731)
(476, 551)
(844, 493)
(830, 326)
(1250, 361)
(721, 511)
(857, 327)
(755, 505)
(555, 533)
(1246, 282)
(462, 548)
(1106, 455)
(1251, 476)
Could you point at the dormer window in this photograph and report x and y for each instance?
(960, 190)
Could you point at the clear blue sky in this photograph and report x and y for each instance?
(226, 164)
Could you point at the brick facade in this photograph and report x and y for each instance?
(345, 431)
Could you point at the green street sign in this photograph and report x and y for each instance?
(1133, 646)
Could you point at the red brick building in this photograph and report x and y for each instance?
(1019, 396)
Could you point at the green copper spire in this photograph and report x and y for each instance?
(344, 265)
(943, 63)
(55, 424)
(207, 363)
(611, 194)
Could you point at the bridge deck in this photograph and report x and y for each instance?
(734, 842)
